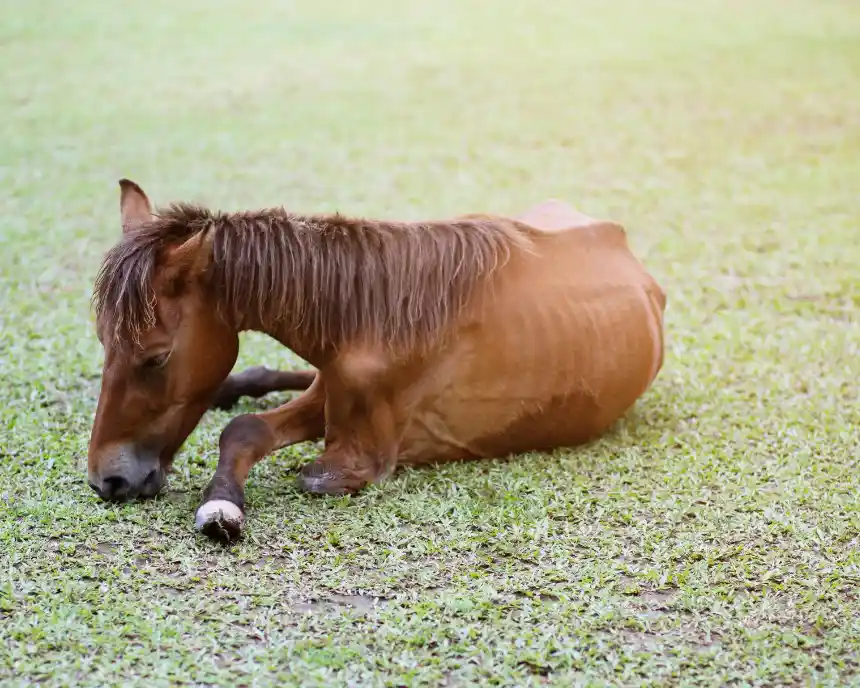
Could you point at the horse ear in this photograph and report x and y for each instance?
(133, 205)
(187, 261)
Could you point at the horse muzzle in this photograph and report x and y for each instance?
(125, 474)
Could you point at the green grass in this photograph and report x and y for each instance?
(711, 539)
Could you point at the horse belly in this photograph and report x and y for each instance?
(554, 368)
(503, 411)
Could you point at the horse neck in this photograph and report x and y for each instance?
(316, 283)
(314, 352)
(280, 298)
(284, 332)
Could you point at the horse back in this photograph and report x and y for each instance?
(561, 227)
(557, 217)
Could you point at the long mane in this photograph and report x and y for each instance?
(329, 278)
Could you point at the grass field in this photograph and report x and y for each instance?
(711, 539)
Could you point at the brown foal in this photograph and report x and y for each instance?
(479, 336)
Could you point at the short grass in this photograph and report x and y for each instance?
(711, 539)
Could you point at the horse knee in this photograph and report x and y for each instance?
(249, 432)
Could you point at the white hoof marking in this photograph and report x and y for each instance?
(218, 510)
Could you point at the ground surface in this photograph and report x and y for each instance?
(712, 539)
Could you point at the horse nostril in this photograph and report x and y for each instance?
(115, 488)
(152, 484)
(95, 488)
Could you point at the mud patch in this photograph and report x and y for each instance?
(658, 599)
(106, 548)
(336, 603)
(360, 602)
(684, 636)
(537, 596)
(640, 641)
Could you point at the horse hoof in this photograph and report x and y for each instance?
(325, 483)
(220, 520)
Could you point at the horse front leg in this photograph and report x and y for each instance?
(259, 381)
(245, 441)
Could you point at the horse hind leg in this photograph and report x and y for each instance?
(259, 381)
(362, 427)
(361, 449)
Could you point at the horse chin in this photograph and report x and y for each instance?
(183, 424)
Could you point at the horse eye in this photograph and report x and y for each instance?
(155, 362)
